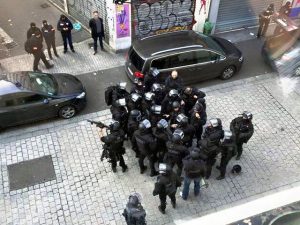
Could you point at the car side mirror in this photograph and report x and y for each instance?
(46, 101)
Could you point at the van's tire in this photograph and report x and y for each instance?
(67, 112)
(228, 72)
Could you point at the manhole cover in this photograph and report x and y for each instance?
(31, 172)
(45, 5)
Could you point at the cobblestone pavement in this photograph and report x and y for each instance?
(87, 192)
(83, 61)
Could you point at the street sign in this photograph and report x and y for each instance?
(77, 26)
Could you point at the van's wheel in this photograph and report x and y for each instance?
(67, 112)
(297, 71)
(228, 72)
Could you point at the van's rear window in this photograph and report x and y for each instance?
(136, 60)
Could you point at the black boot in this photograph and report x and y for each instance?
(143, 169)
(161, 210)
(173, 204)
(114, 169)
(124, 168)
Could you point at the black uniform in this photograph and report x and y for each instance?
(189, 132)
(35, 46)
(228, 150)
(33, 31)
(131, 104)
(49, 36)
(264, 20)
(149, 80)
(166, 185)
(146, 144)
(162, 136)
(243, 131)
(168, 102)
(64, 25)
(139, 89)
(132, 126)
(171, 83)
(190, 98)
(119, 93)
(198, 122)
(176, 152)
(120, 114)
(114, 145)
(134, 212)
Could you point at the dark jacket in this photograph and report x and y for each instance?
(171, 83)
(167, 184)
(166, 105)
(114, 141)
(134, 214)
(93, 26)
(119, 93)
(208, 148)
(189, 132)
(119, 113)
(194, 168)
(64, 26)
(242, 129)
(48, 32)
(34, 45)
(176, 152)
(198, 123)
(31, 32)
(228, 149)
(145, 141)
(162, 136)
(214, 134)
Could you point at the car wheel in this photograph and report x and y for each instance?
(228, 73)
(67, 112)
(297, 71)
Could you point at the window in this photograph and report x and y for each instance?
(182, 59)
(22, 99)
(136, 60)
(43, 83)
(206, 56)
(187, 58)
(161, 63)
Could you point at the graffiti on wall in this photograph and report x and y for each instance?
(122, 14)
(152, 17)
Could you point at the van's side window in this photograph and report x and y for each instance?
(186, 58)
(161, 63)
(203, 56)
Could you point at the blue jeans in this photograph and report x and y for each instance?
(186, 187)
(67, 39)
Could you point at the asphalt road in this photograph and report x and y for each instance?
(96, 83)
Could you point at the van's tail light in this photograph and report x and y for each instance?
(138, 75)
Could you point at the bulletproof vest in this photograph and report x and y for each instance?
(244, 128)
(168, 184)
(117, 142)
(173, 150)
(142, 143)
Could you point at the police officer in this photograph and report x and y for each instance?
(119, 112)
(167, 103)
(134, 102)
(188, 129)
(134, 212)
(159, 93)
(264, 20)
(147, 102)
(134, 119)
(151, 78)
(194, 168)
(174, 82)
(33, 30)
(166, 185)
(113, 142)
(162, 135)
(155, 114)
(138, 87)
(242, 128)
(34, 46)
(64, 25)
(49, 36)
(214, 130)
(176, 151)
(177, 109)
(228, 150)
(198, 120)
(190, 96)
(120, 91)
(146, 144)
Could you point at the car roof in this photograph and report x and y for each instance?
(168, 42)
(13, 83)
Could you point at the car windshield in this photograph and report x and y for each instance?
(210, 43)
(42, 83)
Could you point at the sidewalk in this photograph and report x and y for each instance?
(83, 61)
(85, 190)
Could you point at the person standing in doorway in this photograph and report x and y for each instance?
(97, 29)
(65, 26)
(264, 20)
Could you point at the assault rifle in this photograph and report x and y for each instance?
(98, 124)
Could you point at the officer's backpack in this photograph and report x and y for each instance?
(27, 47)
(135, 215)
(108, 95)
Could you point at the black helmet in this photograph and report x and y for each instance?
(156, 87)
(136, 115)
(122, 85)
(198, 107)
(154, 71)
(121, 102)
(114, 125)
(144, 125)
(162, 124)
(188, 90)
(247, 115)
(149, 96)
(201, 101)
(173, 93)
(175, 105)
(236, 169)
(135, 97)
(195, 154)
(156, 109)
(134, 199)
(177, 136)
(182, 119)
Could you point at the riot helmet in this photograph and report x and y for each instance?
(122, 85)
(154, 71)
(121, 102)
(182, 119)
(236, 169)
(149, 96)
(162, 124)
(134, 199)
(144, 125)
(156, 109)
(173, 93)
(135, 97)
(213, 122)
(156, 87)
(114, 125)
(136, 115)
(175, 105)
(227, 134)
(247, 115)
(177, 136)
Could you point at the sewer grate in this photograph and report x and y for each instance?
(31, 172)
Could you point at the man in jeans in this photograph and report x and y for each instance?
(194, 169)
(97, 29)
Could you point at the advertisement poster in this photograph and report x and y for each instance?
(201, 13)
(123, 26)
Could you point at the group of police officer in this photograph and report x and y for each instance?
(167, 124)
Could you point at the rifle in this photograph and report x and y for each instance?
(98, 124)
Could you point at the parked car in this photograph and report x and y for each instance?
(195, 56)
(282, 53)
(30, 96)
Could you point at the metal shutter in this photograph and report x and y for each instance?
(234, 14)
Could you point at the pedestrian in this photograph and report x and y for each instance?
(285, 10)
(228, 150)
(34, 46)
(194, 169)
(134, 212)
(33, 30)
(242, 128)
(174, 81)
(48, 32)
(65, 26)
(113, 143)
(264, 20)
(166, 185)
(97, 30)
